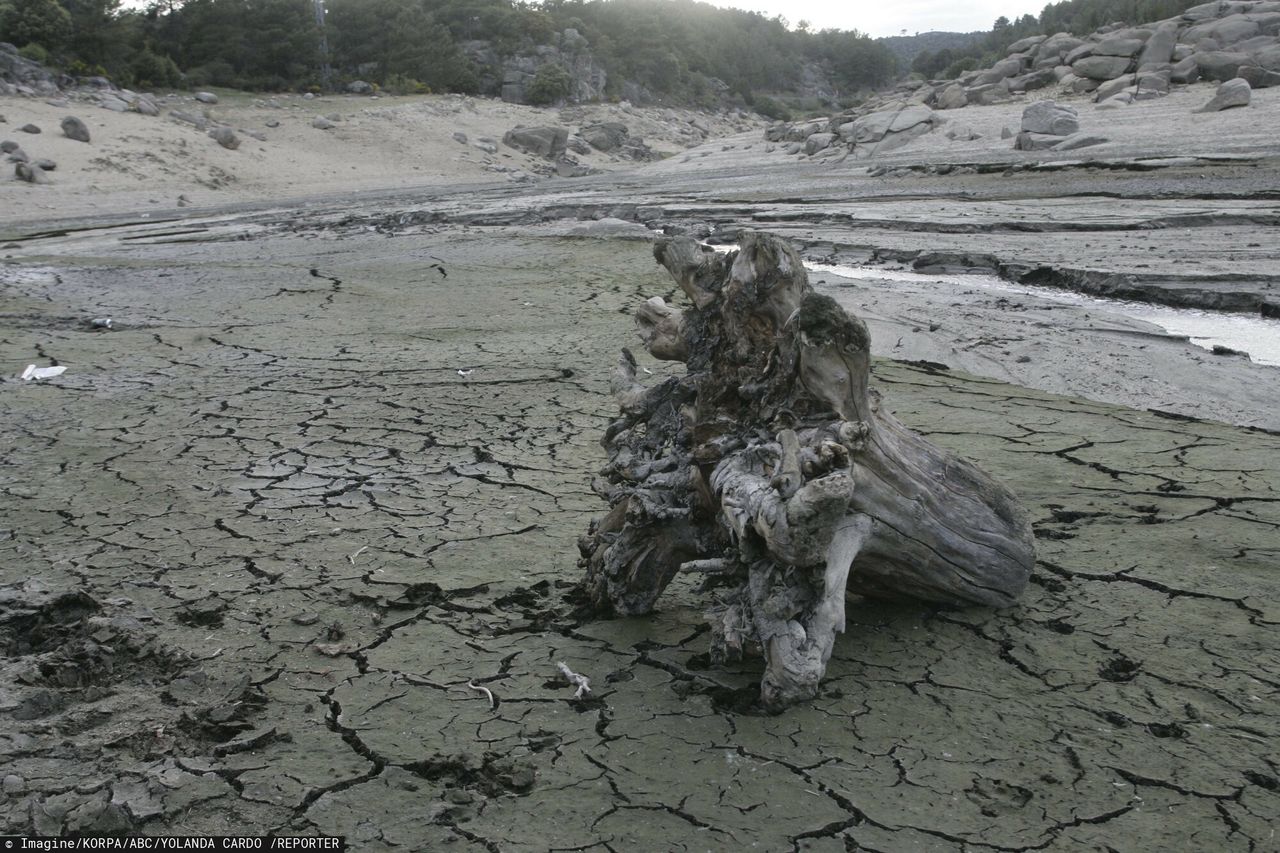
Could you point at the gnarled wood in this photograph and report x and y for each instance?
(771, 466)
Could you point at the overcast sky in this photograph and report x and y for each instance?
(890, 17)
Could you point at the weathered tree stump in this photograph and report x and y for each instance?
(771, 467)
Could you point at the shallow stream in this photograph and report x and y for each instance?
(1256, 335)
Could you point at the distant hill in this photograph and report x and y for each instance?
(907, 48)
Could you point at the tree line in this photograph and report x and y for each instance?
(680, 50)
(1078, 17)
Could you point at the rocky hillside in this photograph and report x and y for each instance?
(1233, 42)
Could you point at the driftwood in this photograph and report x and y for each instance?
(772, 469)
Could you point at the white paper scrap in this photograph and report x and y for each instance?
(33, 372)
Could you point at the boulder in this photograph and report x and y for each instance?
(1232, 93)
(1032, 80)
(818, 142)
(1079, 140)
(1225, 31)
(8, 146)
(1027, 141)
(1186, 71)
(1101, 67)
(1153, 84)
(1255, 44)
(225, 137)
(962, 134)
(1112, 87)
(206, 97)
(1120, 99)
(17, 155)
(546, 142)
(1055, 47)
(1159, 48)
(875, 126)
(30, 173)
(566, 167)
(1220, 64)
(1118, 47)
(1259, 78)
(199, 121)
(1079, 52)
(992, 93)
(322, 123)
(144, 105)
(1004, 68)
(360, 87)
(1202, 12)
(1140, 33)
(74, 128)
(951, 98)
(1024, 45)
(113, 102)
(1047, 117)
(605, 135)
(1268, 58)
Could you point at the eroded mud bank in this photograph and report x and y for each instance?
(260, 538)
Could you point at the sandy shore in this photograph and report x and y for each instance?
(290, 548)
(136, 163)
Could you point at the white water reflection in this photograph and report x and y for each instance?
(1251, 333)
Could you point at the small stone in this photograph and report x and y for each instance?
(13, 784)
(321, 123)
(30, 173)
(74, 128)
(30, 128)
(206, 97)
(225, 137)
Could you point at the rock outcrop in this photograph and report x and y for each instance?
(546, 142)
(510, 76)
(1120, 64)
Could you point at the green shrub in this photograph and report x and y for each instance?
(216, 73)
(35, 53)
(550, 84)
(958, 67)
(152, 71)
(402, 84)
(771, 108)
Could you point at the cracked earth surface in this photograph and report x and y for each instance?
(263, 544)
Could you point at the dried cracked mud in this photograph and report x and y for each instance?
(273, 541)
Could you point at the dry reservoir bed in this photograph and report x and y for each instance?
(262, 541)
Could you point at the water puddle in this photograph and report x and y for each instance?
(1256, 335)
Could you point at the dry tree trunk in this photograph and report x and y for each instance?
(771, 467)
